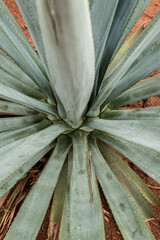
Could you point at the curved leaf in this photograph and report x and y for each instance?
(15, 44)
(144, 89)
(131, 182)
(30, 217)
(11, 123)
(86, 220)
(69, 52)
(102, 15)
(29, 12)
(127, 14)
(149, 113)
(137, 49)
(14, 135)
(19, 153)
(8, 20)
(14, 109)
(64, 232)
(14, 83)
(19, 171)
(7, 64)
(146, 63)
(145, 158)
(58, 203)
(123, 50)
(12, 95)
(130, 222)
(138, 131)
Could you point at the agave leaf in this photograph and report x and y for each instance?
(14, 83)
(12, 95)
(130, 222)
(102, 15)
(15, 109)
(148, 57)
(137, 49)
(11, 123)
(144, 89)
(14, 135)
(138, 131)
(58, 203)
(65, 220)
(145, 158)
(148, 113)
(127, 14)
(15, 44)
(30, 217)
(8, 20)
(86, 219)
(19, 171)
(130, 181)
(146, 63)
(31, 146)
(65, 224)
(30, 15)
(96, 197)
(9, 66)
(10, 49)
(123, 50)
(69, 52)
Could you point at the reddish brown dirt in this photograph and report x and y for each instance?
(113, 231)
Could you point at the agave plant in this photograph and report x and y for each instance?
(66, 99)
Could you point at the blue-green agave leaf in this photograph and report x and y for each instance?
(18, 156)
(145, 158)
(14, 135)
(14, 109)
(64, 232)
(86, 219)
(102, 15)
(127, 14)
(12, 123)
(136, 50)
(70, 53)
(123, 50)
(30, 217)
(149, 113)
(16, 84)
(147, 62)
(12, 95)
(129, 220)
(142, 90)
(131, 182)
(8, 65)
(29, 12)
(138, 131)
(15, 44)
